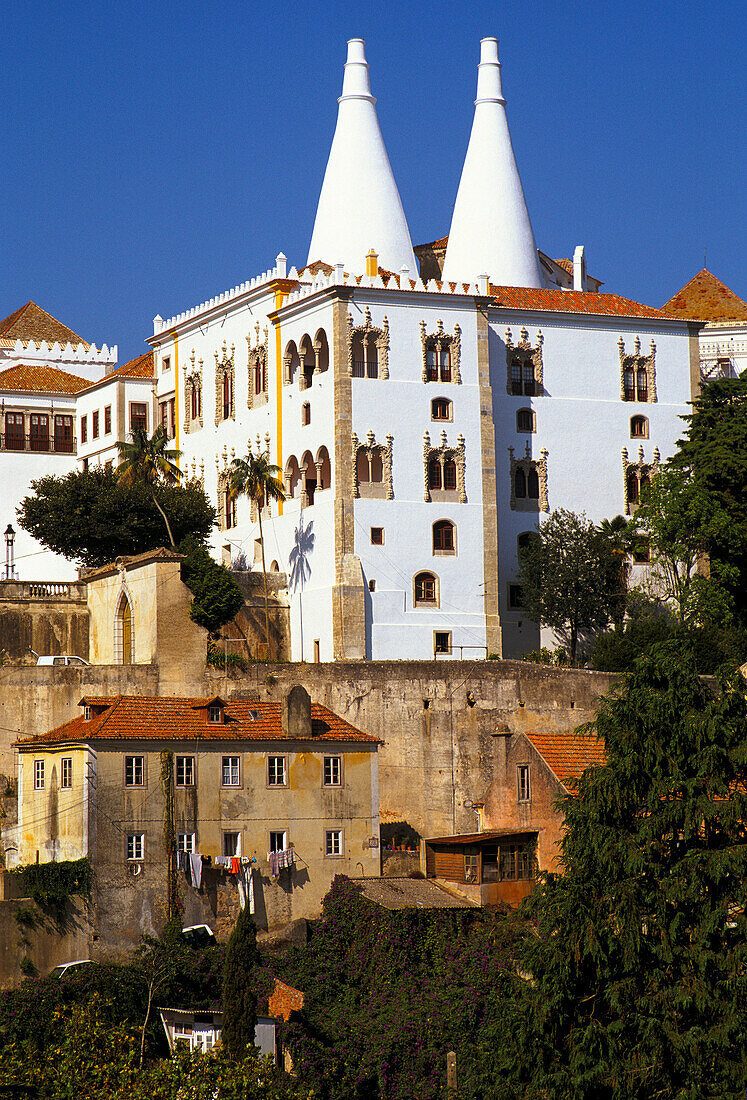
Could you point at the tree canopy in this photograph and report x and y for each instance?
(216, 598)
(150, 461)
(239, 998)
(637, 966)
(91, 517)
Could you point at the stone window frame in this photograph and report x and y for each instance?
(192, 380)
(438, 340)
(452, 553)
(125, 596)
(223, 480)
(366, 331)
(642, 419)
(650, 469)
(385, 452)
(418, 602)
(528, 353)
(442, 452)
(529, 464)
(636, 362)
(224, 368)
(533, 415)
(257, 354)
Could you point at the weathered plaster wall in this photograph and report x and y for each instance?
(42, 942)
(44, 617)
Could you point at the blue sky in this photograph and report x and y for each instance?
(156, 154)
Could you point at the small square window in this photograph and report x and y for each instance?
(136, 846)
(66, 773)
(230, 771)
(276, 775)
(134, 771)
(515, 597)
(377, 536)
(185, 842)
(523, 790)
(332, 771)
(442, 641)
(525, 420)
(278, 841)
(185, 771)
(372, 586)
(38, 775)
(166, 363)
(333, 842)
(232, 844)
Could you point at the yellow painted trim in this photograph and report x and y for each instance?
(176, 391)
(279, 296)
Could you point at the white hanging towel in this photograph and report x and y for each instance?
(195, 863)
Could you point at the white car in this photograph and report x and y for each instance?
(64, 969)
(65, 659)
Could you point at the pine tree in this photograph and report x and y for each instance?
(638, 986)
(239, 996)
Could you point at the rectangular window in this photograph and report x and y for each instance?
(134, 771)
(377, 536)
(276, 771)
(332, 771)
(333, 842)
(214, 713)
(136, 846)
(442, 641)
(38, 775)
(66, 773)
(107, 420)
(166, 363)
(515, 597)
(471, 867)
(523, 790)
(431, 365)
(525, 420)
(38, 432)
(185, 771)
(232, 844)
(230, 771)
(84, 429)
(278, 841)
(185, 842)
(95, 425)
(138, 417)
(63, 434)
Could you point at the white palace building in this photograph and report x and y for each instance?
(425, 413)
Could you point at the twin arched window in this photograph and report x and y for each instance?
(526, 485)
(442, 474)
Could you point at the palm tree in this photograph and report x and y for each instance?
(619, 535)
(256, 477)
(149, 462)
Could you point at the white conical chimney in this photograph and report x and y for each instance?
(359, 207)
(490, 229)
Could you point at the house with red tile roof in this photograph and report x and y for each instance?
(245, 801)
(722, 343)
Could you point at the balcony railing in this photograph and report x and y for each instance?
(38, 443)
(42, 590)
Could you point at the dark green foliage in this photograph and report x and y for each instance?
(51, 885)
(239, 996)
(218, 659)
(714, 454)
(638, 963)
(92, 517)
(387, 994)
(216, 596)
(709, 647)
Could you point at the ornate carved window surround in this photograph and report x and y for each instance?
(438, 342)
(257, 370)
(371, 450)
(193, 394)
(443, 453)
(225, 403)
(369, 334)
(637, 372)
(524, 366)
(530, 466)
(636, 475)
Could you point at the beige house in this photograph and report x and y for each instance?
(263, 799)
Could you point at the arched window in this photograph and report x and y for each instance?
(525, 420)
(306, 354)
(377, 467)
(359, 359)
(628, 387)
(516, 375)
(363, 467)
(441, 409)
(434, 474)
(450, 474)
(230, 509)
(639, 427)
(308, 472)
(260, 375)
(426, 590)
(196, 403)
(642, 384)
(274, 567)
(123, 647)
(444, 537)
(323, 469)
(528, 373)
(292, 477)
(227, 396)
(290, 361)
(438, 363)
(305, 413)
(520, 484)
(533, 485)
(632, 481)
(525, 540)
(321, 350)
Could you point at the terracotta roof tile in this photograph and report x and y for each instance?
(566, 264)
(142, 367)
(31, 322)
(568, 754)
(149, 718)
(161, 554)
(31, 379)
(571, 301)
(706, 298)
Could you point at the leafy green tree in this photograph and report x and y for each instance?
(90, 516)
(638, 981)
(216, 598)
(254, 476)
(239, 996)
(144, 461)
(570, 577)
(679, 519)
(714, 454)
(620, 538)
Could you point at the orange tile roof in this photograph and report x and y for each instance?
(41, 380)
(284, 1000)
(150, 718)
(142, 367)
(31, 322)
(571, 301)
(706, 298)
(568, 754)
(161, 554)
(566, 264)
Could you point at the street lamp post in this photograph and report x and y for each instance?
(10, 567)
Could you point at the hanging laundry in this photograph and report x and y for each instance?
(250, 888)
(274, 863)
(195, 863)
(234, 865)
